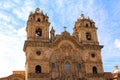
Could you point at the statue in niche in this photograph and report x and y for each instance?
(53, 58)
(67, 54)
(66, 47)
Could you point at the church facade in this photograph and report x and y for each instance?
(63, 56)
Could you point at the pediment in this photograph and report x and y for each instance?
(66, 39)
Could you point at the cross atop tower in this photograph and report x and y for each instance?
(65, 28)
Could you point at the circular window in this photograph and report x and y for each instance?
(93, 55)
(38, 52)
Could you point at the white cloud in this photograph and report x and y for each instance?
(21, 32)
(6, 4)
(12, 38)
(23, 11)
(43, 2)
(11, 55)
(11, 41)
(17, 1)
(117, 43)
(4, 17)
(6, 20)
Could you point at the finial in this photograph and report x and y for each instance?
(82, 16)
(116, 66)
(37, 10)
(46, 14)
(31, 12)
(52, 27)
(52, 30)
(88, 18)
(42, 12)
(65, 28)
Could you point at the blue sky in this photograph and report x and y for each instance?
(14, 15)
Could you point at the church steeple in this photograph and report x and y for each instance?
(85, 30)
(38, 26)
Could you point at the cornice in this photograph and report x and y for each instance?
(93, 47)
(36, 44)
(35, 75)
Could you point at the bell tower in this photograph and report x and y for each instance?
(86, 33)
(85, 30)
(34, 47)
(37, 26)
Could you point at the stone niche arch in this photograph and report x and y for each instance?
(53, 58)
(66, 48)
(66, 43)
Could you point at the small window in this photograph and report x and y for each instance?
(94, 70)
(87, 25)
(38, 52)
(38, 69)
(52, 65)
(68, 78)
(46, 20)
(31, 18)
(79, 79)
(38, 32)
(79, 66)
(93, 55)
(88, 36)
(38, 20)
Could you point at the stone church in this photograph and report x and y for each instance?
(65, 56)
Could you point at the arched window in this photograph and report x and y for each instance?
(38, 69)
(94, 70)
(93, 55)
(87, 25)
(52, 65)
(38, 32)
(68, 78)
(67, 66)
(38, 20)
(88, 36)
(79, 66)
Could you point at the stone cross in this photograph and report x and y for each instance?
(65, 28)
